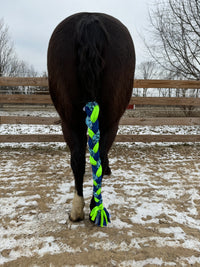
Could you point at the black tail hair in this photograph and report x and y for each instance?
(91, 37)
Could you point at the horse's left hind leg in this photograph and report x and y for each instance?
(76, 141)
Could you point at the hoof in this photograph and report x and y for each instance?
(107, 171)
(77, 213)
(76, 219)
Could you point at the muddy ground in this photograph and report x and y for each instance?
(153, 196)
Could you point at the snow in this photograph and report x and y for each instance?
(56, 129)
(144, 191)
(155, 261)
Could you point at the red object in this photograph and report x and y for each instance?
(130, 107)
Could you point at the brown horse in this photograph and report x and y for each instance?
(91, 57)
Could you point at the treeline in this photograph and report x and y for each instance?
(172, 42)
(173, 46)
(151, 70)
(12, 66)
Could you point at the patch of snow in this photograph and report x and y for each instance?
(155, 261)
(145, 193)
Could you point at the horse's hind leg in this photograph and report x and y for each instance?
(107, 170)
(106, 140)
(76, 141)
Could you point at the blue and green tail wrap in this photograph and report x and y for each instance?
(98, 214)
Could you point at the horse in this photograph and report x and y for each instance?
(91, 61)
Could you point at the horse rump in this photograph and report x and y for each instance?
(91, 63)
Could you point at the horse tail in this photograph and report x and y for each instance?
(98, 214)
(91, 37)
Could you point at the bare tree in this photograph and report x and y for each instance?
(10, 65)
(176, 42)
(7, 56)
(146, 70)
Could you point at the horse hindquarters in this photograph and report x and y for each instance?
(89, 60)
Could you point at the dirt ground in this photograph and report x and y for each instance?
(153, 196)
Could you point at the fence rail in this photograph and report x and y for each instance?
(33, 138)
(155, 101)
(159, 121)
(138, 83)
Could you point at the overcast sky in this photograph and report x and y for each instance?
(31, 22)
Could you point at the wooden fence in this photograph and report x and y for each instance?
(158, 101)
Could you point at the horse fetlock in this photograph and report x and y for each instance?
(77, 213)
(107, 171)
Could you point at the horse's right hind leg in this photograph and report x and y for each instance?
(107, 170)
(76, 141)
(106, 140)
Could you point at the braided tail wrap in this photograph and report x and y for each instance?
(99, 214)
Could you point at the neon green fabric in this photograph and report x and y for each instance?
(99, 214)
